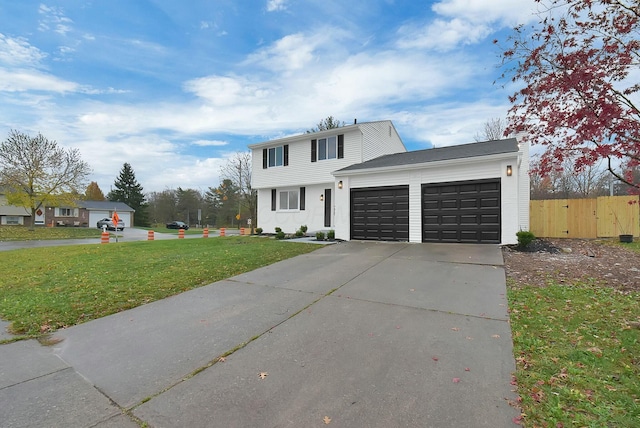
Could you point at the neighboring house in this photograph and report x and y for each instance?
(82, 214)
(476, 193)
(11, 214)
(87, 213)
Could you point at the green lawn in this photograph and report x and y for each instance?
(577, 350)
(22, 233)
(52, 289)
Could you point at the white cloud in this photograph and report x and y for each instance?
(296, 51)
(464, 22)
(18, 52)
(275, 5)
(210, 143)
(54, 16)
(503, 12)
(443, 35)
(447, 124)
(33, 80)
(227, 90)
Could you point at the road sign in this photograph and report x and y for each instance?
(115, 219)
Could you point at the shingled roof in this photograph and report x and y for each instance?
(471, 150)
(105, 206)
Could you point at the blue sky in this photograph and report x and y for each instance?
(176, 87)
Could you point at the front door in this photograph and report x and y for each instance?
(327, 207)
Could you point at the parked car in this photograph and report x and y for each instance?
(109, 223)
(177, 225)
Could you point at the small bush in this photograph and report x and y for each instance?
(299, 233)
(331, 235)
(280, 234)
(278, 230)
(259, 230)
(525, 238)
(303, 228)
(320, 236)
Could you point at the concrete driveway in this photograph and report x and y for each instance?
(351, 335)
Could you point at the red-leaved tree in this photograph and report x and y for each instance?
(580, 69)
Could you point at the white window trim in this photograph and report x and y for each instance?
(74, 212)
(275, 150)
(326, 147)
(288, 191)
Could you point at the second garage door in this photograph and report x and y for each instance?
(380, 213)
(467, 211)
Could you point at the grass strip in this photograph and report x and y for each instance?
(40, 233)
(577, 350)
(64, 286)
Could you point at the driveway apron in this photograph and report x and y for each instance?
(352, 335)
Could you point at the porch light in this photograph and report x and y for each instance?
(509, 171)
(321, 198)
(340, 184)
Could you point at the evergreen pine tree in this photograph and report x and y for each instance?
(128, 190)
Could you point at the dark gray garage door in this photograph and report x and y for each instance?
(465, 211)
(380, 213)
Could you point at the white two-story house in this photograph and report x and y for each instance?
(293, 175)
(360, 181)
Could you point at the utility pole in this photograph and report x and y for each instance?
(240, 190)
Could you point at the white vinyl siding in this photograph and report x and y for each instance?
(315, 176)
(380, 138)
(291, 220)
(301, 171)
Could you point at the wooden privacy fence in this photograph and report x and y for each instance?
(603, 217)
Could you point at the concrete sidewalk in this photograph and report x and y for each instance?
(364, 334)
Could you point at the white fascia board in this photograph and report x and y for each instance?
(304, 137)
(428, 165)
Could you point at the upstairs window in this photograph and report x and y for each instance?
(275, 156)
(327, 148)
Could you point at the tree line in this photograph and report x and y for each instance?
(36, 173)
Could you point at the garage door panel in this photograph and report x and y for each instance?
(384, 216)
(462, 212)
(490, 203)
